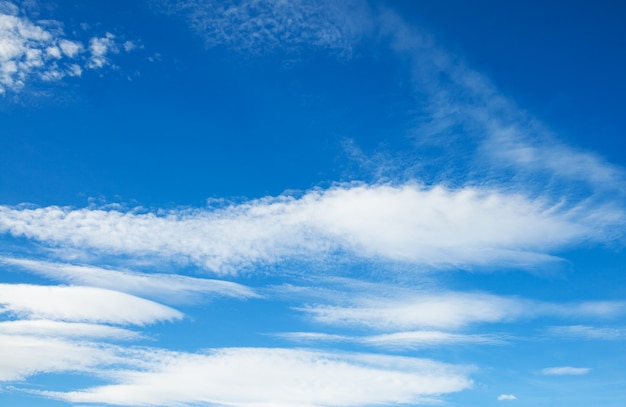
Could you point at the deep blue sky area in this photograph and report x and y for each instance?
(312, 203)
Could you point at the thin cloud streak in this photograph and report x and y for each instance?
(451, 311)
(59, 329)
(398, 340)
(565, 371)
(168, 288)
(587, 332)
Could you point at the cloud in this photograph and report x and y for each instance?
(397, 340)
(33, 52)
(169, 288)
(277, 377)
(261, 26)
(504, 397)
(436, 227)
(587, 332)
(565, 371)
(450, 311)
(464, 117)
(59, 329)
(100, 47)
(81, 304)
(25, 355)
(487, 136)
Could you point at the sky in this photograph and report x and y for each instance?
(254, 203)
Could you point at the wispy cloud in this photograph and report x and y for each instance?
(451, 310)
(435, 227)
(398, 340)
(259, 27)
(168, 288)
(277, 377)
(587, 332)
(59, 329)
(81, 304)
(487, 136)
(565, 371)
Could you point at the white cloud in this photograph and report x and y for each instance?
(565, 371)
(504, 397)
(450, 310)
(278, 377)
(436, 226)
(397, 340)
(169, 288)
(70, 48)
(99, 48)
(81, 304)
(40, 51)
(59, 329)
(25, 355)
(418, 339)
(259, 26)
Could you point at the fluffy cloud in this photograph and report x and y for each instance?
(436, 226)
(278, 377)
(81, 304)
(39, 51)
(565, 371)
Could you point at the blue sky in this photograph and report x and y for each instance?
(312, 203)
